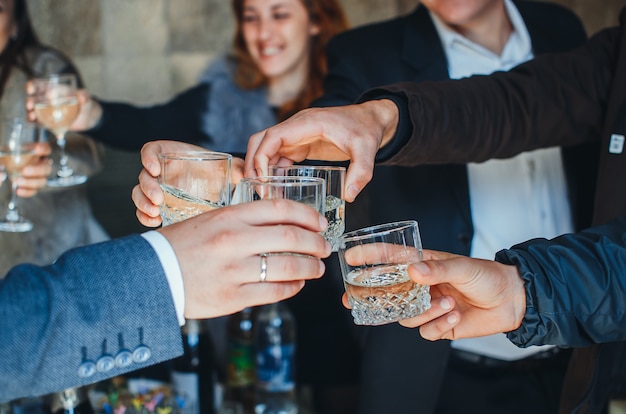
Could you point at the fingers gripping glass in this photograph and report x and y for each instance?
(334, 202)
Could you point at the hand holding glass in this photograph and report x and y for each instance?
(308, 190)
(56, 107)
(374, 263)
(334, 205)
(17, 149)
(193, 182)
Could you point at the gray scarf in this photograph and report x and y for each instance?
(233, 114)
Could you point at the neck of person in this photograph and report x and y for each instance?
(286, 87)
(490, 29)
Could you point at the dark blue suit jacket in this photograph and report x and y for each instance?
(58, 321)
(400, 369)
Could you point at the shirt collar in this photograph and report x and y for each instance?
(518, 42)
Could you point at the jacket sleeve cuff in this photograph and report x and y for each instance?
(404, 128)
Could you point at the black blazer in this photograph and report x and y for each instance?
(399, 369)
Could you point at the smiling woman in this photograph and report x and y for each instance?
(276, 68)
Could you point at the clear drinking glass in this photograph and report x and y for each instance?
(374, 262)
(17, 149)
(308, 190)
(334, 204)
(56, 107)
(193, 182)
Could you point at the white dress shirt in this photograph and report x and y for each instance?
(171, 267)
(515, 199)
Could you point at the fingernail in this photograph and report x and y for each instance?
(445, 304)
(422, 268)
(452, 319)
(323, 222)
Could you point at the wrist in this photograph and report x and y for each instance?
(518, 297)
(386, 113)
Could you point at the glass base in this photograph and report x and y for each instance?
(19, 226)
(67, 181)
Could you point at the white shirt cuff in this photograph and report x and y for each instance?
(171, 268)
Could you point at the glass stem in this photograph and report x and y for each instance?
(12, 214)
(64, 171)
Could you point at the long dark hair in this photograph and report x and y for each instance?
(14, 53)
(330, 18)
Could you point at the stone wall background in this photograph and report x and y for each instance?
(145, 51)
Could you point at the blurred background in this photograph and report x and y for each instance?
(145, 51)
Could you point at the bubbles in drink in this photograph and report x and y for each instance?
(178, 205)
(383, 294)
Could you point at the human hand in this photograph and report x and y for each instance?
(352, 132)
(470, 297)
(218, 253)
(88, 116)
(148, 195)
(35, 175)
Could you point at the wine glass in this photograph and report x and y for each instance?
(17, 149)
(56, 107)
(335, 203)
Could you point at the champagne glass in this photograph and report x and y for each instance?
(17, 149)
(193, 182)
(335, 203)
(56, 107)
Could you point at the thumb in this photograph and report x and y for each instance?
(442, 268)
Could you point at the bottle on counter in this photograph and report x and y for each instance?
(240, 370)
(194, 372)
(275, 348)
(71, 401)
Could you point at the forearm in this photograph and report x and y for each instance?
(127, 126)
(54, 318)
(552, 100)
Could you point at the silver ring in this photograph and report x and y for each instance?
(263, 274)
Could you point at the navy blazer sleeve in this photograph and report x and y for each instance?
(127, 126)
(92, 302)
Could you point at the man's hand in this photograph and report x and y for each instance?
(353, 132)
(470, 297)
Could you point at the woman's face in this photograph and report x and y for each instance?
(278, 35)
(7, 26)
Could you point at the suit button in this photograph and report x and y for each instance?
(123, 358)
(86, 369)
(105, 363)
(141, 354)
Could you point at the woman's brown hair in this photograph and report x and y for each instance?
(329, 16)
(13, 54)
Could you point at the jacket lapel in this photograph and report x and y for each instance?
(421, 47)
